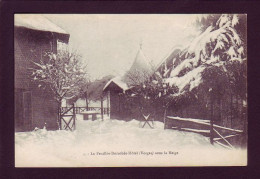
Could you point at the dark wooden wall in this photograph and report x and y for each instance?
(30, 45)
(117, 102)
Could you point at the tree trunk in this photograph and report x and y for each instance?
(86, 98)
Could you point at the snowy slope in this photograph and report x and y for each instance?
(121, 139)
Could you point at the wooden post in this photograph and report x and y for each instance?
(59, 118)
(102, 108)
(108, 104)
(219, 110)
(237, 108)
(86, 99)
(74, 117)
(211, 122)
(164, 118)
(59, 115)
(231, 112)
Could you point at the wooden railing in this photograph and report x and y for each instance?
(218, 134)
(79, 110)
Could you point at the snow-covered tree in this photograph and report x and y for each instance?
(212, 68)
(63, 73)
(219, 46)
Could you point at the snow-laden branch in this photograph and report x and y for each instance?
(219, 46)
(63, 73)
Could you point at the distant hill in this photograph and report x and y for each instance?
(95, 88)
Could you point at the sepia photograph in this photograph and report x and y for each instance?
(130, 90)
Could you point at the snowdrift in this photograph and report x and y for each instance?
(119, 143)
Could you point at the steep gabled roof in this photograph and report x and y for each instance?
(37, 22)
(140, 64)
(140, 70)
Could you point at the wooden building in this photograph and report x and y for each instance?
(116, 87)
(33, 36)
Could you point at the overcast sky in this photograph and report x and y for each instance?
(109, 43)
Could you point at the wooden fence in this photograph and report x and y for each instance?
(78, 110)
(216, 133)
(67, 118)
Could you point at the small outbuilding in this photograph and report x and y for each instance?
(117, 86)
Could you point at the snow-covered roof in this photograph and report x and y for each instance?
(37, 22)
(140, 70)
(140, 64)
(119, 82)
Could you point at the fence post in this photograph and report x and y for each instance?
(59, 118)
(59, 114)
(231, 113)
(102, 108)
(164, 118)
(74, 117)
(108, 104)
(211, 122)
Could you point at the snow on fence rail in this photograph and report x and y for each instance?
(203, 122)
(203, 127)
(79, 110)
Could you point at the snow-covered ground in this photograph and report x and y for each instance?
(120, 143)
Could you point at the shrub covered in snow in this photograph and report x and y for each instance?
(63, 73)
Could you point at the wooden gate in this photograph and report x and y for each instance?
(67, 118)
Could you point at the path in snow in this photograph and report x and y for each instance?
(119, 143)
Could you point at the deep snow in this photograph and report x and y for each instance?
(119, 143)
